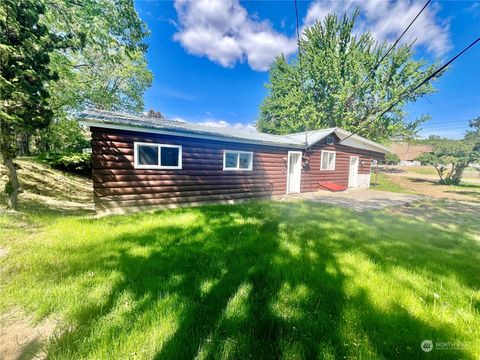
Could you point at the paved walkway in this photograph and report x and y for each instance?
(358, 199)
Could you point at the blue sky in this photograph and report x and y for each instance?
(209, 59)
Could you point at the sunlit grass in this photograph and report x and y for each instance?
(259, 280)
(383, 182)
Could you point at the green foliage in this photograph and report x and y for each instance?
(106, 68)
(451, 157)
(392, 159)
(62, 136)
(79, 163)
(26, 45)
(26, 78)
(321, 89)
(110, 70)
(474, 134)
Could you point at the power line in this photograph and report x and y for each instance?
(458, 127)
(448, 121)
(408, 92)
(446, 125)
(453, 122)
(375, 67)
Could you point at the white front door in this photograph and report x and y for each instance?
(352, 177)
(294, 172)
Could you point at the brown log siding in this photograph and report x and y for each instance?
(117, 184)
(312, 175)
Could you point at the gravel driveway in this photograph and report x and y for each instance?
(358, 199)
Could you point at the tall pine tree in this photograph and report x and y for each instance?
(25, 47)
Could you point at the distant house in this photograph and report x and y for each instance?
(409, 152)
(142, 162)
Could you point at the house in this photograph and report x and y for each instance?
(408, 152)
(141, 162)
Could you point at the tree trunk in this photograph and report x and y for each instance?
(12, 185)
(25, 144)
(457, 173)
(440, 173)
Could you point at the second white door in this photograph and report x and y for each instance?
(352, 177)
(294, 172)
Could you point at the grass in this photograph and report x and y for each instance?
(465, 191)
(258, 280)
(265, 279)
(470, 174)
(383, 182)
(422, 170)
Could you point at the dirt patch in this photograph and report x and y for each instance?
(21, 339)
(3, 252)
(428, 185)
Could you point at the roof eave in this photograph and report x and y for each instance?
(91, 122)
(339, 131)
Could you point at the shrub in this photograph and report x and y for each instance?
(392, 159)
(78, 163)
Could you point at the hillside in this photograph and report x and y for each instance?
(46, 189)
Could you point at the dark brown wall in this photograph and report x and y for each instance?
(312, 175)
(118, 185)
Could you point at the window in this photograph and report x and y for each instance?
(157, 156)
(237, 160)
(329, 140)
(328, 160)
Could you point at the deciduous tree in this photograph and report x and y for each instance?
(108, 72)
(321, 88)
(451, 157)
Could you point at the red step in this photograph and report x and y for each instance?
(332, 186)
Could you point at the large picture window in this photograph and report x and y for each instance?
(157, 156)
(237, 160)
(328, 160)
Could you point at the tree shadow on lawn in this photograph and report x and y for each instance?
(437, 183)
(475, 194)
(265, 280)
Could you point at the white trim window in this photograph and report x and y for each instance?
(237, 160)
(157, 156)
(328, 160)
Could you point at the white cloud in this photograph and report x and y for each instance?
(225, 124)
(474, 9)
(388, 19)
(223, 31)
(217, 123)
(178, 119)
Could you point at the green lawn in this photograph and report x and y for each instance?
(259, 280)
(422, 170)
(382, 182)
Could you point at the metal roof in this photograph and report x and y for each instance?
(110, 117)
(94, 117)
